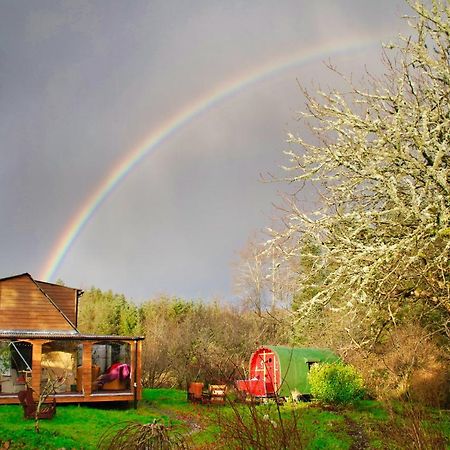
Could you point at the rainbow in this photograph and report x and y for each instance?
(181, 119)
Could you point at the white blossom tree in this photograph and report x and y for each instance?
(379, 157)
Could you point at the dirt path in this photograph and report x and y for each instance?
(192, 422)
(356, 431)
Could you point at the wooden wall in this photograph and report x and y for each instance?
(23, 306)
(64, 297)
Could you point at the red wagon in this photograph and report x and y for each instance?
(277, 371)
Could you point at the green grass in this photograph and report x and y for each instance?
(80, 427)
(165, 397)
(193, 419)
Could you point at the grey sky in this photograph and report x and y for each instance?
(84, 82)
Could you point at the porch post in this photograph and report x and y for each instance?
(36, 366)
(87, 368)
(134, 350)
(136, 370)
(139, 369)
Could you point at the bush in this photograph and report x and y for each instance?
(335, 383)
(408, 363)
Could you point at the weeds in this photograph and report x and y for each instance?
(412, 426)
(261, 427)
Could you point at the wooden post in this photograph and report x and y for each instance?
(36, 367)
(139, 369)
(87, 368)
(136, 370)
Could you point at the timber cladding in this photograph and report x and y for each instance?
(24, 306)
(65, 298)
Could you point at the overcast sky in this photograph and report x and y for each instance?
(84, 82)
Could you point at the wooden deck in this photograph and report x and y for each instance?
(78, 397)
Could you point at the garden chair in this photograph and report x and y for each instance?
(218, 393)
(29, 406)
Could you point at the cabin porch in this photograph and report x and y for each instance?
(80, 368)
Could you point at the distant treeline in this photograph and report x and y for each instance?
(185, 340)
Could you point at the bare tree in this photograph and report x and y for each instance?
(262, 277)
(250, 277)
(49, 388)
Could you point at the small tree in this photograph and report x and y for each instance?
(49, 388)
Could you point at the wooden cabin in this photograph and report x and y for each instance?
(40, 343)
(282, 371)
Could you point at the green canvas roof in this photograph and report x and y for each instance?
(294, 366)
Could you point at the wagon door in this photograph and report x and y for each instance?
(264, 373)
(272, 372)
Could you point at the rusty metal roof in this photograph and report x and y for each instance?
(63, 335)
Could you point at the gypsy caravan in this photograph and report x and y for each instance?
(277, 371)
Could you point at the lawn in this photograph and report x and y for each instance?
(368, 424)
(78, 427)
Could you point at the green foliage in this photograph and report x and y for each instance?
(335, 383)
(5, 357)
(107, 313)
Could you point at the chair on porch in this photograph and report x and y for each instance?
(47, 411)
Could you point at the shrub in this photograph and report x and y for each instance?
(409, 362)
(138, 436)
(335, 383)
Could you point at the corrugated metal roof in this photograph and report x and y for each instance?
(63, 335)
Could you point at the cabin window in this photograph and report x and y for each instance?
(111, 366)
(15, 366)
(5, 359)
(59, 366)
